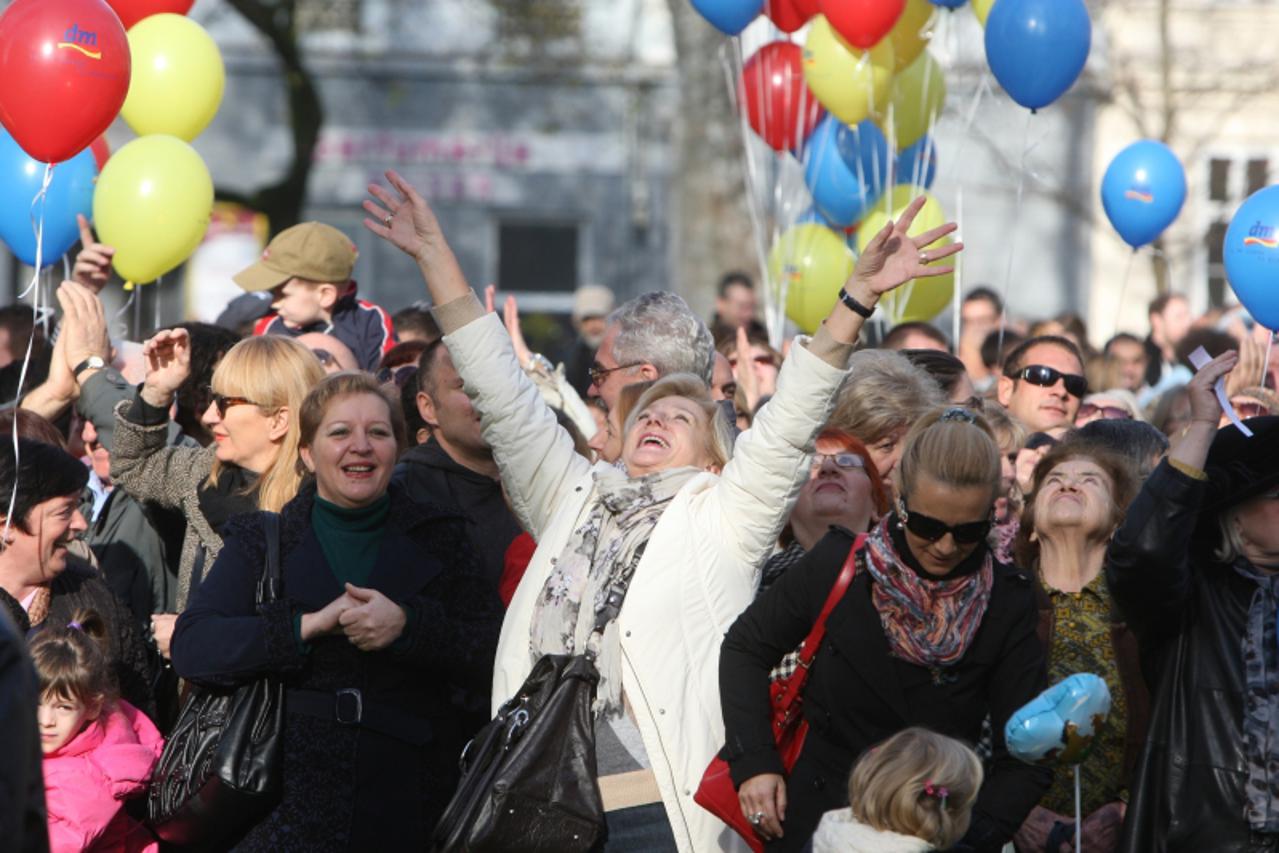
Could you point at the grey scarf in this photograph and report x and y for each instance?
(1261, 702)
(619, 519)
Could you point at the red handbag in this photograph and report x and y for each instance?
(716, 793)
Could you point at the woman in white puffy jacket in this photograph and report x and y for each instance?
(687, 526)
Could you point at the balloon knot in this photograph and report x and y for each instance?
(128, 287)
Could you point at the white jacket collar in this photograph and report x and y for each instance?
(839, 832)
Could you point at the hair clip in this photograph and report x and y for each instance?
(940, 792)
(959, 413)
(75, 626)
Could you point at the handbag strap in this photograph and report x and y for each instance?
(612, 606)
(268, 589)
(814, 639)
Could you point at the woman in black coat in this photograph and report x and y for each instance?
(1195, 570)
(932, 632)
(383, 614)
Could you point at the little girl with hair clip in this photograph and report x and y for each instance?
(98, 749)
(912, 793)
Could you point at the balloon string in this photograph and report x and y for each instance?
(137, 318)
(117, 319)
(1123, 290)
(155, 301)
(1079, 817)
(1265, 365)
(958, 286)
(1012, 247)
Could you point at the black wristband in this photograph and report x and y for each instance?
(853, 305)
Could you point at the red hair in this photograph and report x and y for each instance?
(851, 444)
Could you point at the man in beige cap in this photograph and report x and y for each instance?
(307, 269)
(592, 303)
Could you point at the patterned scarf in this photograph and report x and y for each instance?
(602, 551)
(1261, 702)
(929, 623)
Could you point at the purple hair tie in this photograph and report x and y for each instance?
(75, 626)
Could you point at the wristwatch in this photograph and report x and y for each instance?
(93, 362)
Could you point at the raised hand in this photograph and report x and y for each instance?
(403, 218)
(1204, 405)
(93, 264)
(511, 319)
(168, 358)
(893, 257)
(84, 324)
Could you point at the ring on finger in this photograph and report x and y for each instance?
(756, 819)
(387, 220)
(923, 257)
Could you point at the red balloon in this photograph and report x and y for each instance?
(863, 23)
(785, 14)
(101, 151)
(132, 11)
(776, 96)
(807, 8)
(64, 72)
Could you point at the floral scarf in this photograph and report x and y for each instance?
(602, 551)
(1261, 702)
(929, 623)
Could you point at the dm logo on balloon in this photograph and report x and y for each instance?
(1261, 235)
(81, 40)
(1141, 193)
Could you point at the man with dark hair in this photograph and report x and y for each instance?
(1132, 439)
(415, 323)
(735, 303)
(17, 331)
(1170, 321)
(1043, 384)
(979, 315)
(1126, 362)
(916, 336)
(455, 468)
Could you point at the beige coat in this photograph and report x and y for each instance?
(700, 569)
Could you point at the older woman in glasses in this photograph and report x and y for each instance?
(1113, 405)
(933, 631)
(257, 390)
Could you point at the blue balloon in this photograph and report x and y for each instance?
(1037, 48)
(846, 169)
(1143, 190)
(949, 4)
(1251, 253)
(730, 17)
(70, 192)
(917, 164)
(1058, 725)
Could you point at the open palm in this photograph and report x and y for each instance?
(893, 257)
(403, 219)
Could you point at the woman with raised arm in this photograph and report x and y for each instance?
(693, 526)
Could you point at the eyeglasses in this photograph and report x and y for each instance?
(599, 373)
(842, 460)
(930, 529)
(1046, 377)
(399, 375)
(224, 401)
(1110, 413)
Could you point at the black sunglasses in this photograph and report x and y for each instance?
(224, 401)
(1046, 377)
(930, 529)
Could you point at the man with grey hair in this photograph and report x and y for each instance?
(654, 335)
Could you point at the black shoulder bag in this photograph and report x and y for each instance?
(528, 778)
(221, 767)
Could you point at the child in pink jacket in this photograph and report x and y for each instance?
(98, 750)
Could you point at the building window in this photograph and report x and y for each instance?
(1217, 286)
(537, 257)
(1219, 180)
(1258, 175)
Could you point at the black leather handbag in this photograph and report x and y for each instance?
(528, 778)
(221, 769)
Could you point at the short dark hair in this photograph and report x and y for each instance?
(426, 363)
(417, 319)
(1122, 338)
(987, 295)
(735, 277)
(1015, 360)
(899, 333)
(19, 320)
(42, 472)
(945, 369)
(1213, 342)
(997, 346)
(208, 344)
(30, 425)
(413, 422)
(406, 352)
(1135, 440)
(1160, 303)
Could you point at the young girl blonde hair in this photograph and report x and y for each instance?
(917, 783)
(276, 373)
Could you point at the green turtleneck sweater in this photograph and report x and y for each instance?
(350, 538)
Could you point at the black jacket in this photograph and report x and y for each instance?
(1190, 614)
(430, 476)
(857, 694)
(351, 787)
(23, 822)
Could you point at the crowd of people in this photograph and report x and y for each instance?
(1017, 506)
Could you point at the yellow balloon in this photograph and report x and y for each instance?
(177, 79)
(851, 83)
(924, 298)
(981, 8)
(919, 93)
(152, 203)
(814, 263)
(912, 32)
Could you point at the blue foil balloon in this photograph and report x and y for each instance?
(846, 169)
(1058, 725)
(1037, 48)
(949, 4)
(730, 17)
(1143, 190)
(1251, 253)
(917, 164)
(70, 192)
